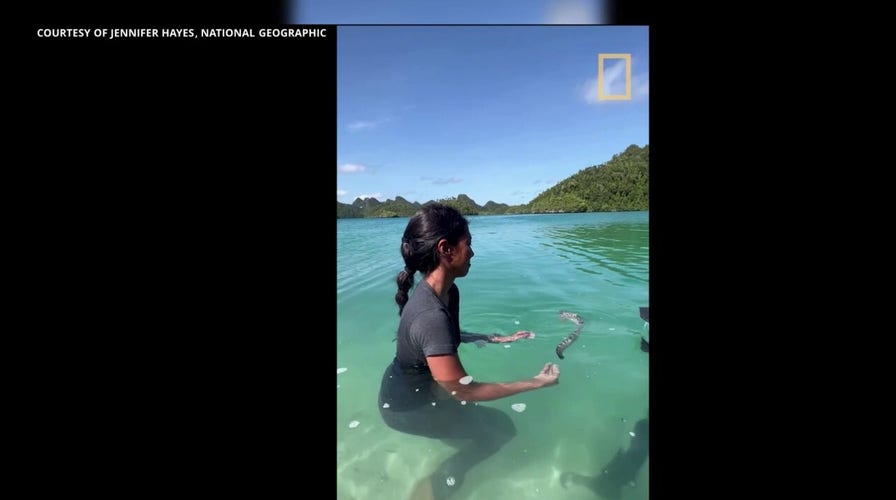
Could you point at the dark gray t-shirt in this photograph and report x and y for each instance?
(427, 328)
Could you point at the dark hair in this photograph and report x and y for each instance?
(419, 243)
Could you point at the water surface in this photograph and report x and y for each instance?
(527, 269)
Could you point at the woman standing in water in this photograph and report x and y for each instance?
(425, 390)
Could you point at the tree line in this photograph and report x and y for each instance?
(620, 184)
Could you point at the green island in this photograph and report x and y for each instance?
(619, 185)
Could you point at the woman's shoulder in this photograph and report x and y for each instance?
(422, 301)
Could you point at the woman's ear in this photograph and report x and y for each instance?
(444, 247)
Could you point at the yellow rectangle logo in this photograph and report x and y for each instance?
(601, 96)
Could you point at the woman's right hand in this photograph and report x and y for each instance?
(549, 375)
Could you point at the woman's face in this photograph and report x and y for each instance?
(463, 252)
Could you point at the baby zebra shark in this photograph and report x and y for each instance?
(572, 336)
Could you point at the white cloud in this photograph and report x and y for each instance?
(378, 196)
(572, 12)
(360, 125)
(614, 84)
(351, 168)
(451, 180)
(341, 192)
(356, 126)
(640, 86)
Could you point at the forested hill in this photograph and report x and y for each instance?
(400, 207)
(617, 185)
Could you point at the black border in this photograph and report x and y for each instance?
(628, 12)
(714, 340)
(186, 243)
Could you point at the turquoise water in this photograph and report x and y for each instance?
(527, 269)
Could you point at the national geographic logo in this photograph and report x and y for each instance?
(601, 96)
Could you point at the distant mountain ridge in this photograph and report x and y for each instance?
(620, 184)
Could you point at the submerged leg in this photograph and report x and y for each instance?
(477, 432)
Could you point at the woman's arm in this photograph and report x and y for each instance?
(448, 372)
(495, 338)
(473, 337)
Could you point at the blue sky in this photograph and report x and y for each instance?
(446, 12)
(498, 113)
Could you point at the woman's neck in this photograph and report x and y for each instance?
(440, 283)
